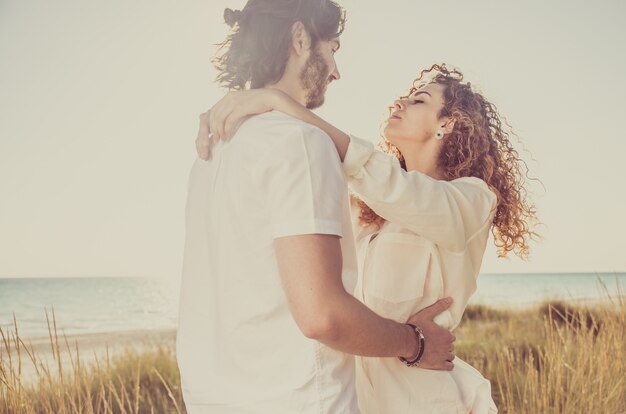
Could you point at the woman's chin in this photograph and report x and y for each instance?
(388, 132)
(390, 136)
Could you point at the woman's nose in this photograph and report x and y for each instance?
(398, 104)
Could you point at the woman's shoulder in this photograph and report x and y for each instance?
(473, 181)
(476, 189)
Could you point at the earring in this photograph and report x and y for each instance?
(439, 135)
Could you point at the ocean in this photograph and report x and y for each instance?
(95, 305)
(87, 305)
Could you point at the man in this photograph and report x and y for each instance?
(267, 321)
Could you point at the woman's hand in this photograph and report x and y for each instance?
(223, 119)
(204, 140)
(229, 111)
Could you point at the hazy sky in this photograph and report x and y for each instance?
(99, 104)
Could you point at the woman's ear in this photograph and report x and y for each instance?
(300, 39)
(447, 125)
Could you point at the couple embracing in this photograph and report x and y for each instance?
(322, 275)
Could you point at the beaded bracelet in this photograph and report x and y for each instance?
(422, 346)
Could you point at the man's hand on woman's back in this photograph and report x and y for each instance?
(439, 342)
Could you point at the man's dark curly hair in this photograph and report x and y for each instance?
(256, 51)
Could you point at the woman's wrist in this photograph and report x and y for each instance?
(278, 100)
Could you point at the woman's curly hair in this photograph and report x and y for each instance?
(478, 146)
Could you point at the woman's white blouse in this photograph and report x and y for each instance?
(430, 247)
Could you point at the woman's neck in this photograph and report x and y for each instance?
(422, 157)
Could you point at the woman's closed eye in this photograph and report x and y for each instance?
(415, 101)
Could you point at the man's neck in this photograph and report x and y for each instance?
(291, 88)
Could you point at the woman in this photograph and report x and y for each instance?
(422, 211)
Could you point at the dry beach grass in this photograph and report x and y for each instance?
(101, 373)
(554, 358)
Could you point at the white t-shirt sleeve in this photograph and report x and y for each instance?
(449, 213)
(305, 185)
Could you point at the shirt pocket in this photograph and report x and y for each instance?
(399, 264)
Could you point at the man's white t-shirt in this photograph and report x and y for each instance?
(239, 349)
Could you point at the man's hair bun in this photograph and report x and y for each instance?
(232, 16)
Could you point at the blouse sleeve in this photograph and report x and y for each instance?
(449, 213)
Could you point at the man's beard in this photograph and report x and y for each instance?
(314, 79)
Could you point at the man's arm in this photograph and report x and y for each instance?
(310, 269)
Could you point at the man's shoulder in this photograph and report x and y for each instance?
(278, 124)
(280, 134)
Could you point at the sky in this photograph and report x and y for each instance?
(99, 105)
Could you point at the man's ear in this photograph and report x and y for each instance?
(300, 39)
